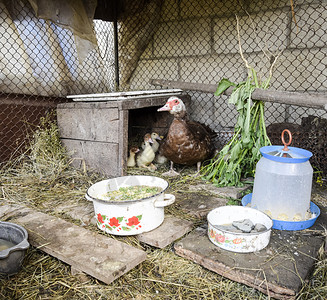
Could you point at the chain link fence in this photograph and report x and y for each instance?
(178, 40)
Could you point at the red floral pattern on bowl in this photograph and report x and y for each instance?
(224, 239)
(116, 224)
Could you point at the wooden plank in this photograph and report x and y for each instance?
(123, 141)
(89, 124)
(315, 100)
(150, 101)
(118, 95)
(278, 270)
(170, 230)
(94, 254)
(98, 156)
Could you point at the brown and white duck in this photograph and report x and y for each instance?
(131, 158)
(146, 157)
(187, 142)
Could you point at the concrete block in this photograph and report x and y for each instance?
(190, 37)
(203, 110)
(156, 68)
(169, 10)
(301, 70)
(275, 113)
(264, 5)
(311, 27)
(215, 67)
(263, 30)
(296, 113)
(207, 8)
(224, 112)
(279, 270)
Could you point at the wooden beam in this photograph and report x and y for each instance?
(315, 100)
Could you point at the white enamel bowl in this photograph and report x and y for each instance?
(132, 216)
(234, 241)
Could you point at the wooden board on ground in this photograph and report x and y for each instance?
(94, 254)
(278, 270)
(169, 231)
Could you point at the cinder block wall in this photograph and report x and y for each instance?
(197, 42)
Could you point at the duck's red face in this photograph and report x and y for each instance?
(173, 105)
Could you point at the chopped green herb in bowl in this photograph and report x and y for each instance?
(135, 192)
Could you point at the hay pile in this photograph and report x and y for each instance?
(42, 178)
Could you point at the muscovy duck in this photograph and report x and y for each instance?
(187, 142)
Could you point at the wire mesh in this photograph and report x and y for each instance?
(178, 40)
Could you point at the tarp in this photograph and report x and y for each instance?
(40, 57)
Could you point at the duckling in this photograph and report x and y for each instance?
(159, 159)
(131, 159)
(155, 138)
(146, 157)
(155, 145)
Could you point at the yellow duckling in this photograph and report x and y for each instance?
(131, 159)
(146, 157)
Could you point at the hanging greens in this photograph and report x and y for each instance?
(239, 157)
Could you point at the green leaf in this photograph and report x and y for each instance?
(126, 228)
(223, 85)
(235, 152)
(224, 151)
(120, 219)
(139, 217)
(240, 121)
(234, 97)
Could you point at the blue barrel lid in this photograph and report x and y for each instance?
(293, 155)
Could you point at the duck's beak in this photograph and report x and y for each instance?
(166, 107)
(151, 141)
